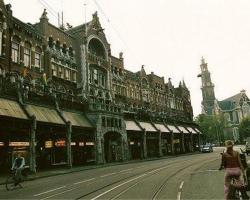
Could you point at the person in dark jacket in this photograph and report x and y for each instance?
(18, 165)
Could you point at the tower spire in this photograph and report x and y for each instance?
(207, 89)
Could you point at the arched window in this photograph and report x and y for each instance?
(27, 54)
(38, 53)
(15, 49)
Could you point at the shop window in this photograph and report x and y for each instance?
(27, 54)
(15, 49)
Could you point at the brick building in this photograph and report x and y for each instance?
(66, 100)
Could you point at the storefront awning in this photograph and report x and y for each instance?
(162, 128)
(44, 114)
(182, 129)
(132, 126)
(197, 130)
(173, 128)
(147, 126)
(11, 108)
(77, 119)
(191, 130)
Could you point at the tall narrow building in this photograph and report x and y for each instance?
(207, 89)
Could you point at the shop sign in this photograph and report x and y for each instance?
(73, 143)
(81, 144)
(48, 144)
(1, 144)
(90, 143)
(131, 143)
(60, 143)
(19, 144)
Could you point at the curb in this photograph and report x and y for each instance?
(30, 178)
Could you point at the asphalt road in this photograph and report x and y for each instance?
(184, 177)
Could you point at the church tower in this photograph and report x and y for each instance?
(207, 89)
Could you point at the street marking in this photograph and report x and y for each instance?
(117, 186)
(181, 185)
(49, 191)
(157, 170)
(58, 194)
(125, 170)
(84, 181)
(180, 189)
(107, 175)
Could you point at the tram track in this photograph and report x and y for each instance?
(141, 176)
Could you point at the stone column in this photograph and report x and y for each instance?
(33, 144)
(69, 132)
(99, 149)
(159, 143)
(172, 142)
(145, 154)
(182, 142)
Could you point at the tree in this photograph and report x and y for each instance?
(244, 128)
(212, 127)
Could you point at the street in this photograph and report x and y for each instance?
(184, 177)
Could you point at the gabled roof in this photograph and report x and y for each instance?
(226, 105)
(236, 98)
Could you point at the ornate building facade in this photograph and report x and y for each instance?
(66, 100)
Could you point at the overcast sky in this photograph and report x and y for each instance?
(167, 36)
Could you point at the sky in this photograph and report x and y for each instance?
(168, 37)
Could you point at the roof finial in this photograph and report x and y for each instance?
(44, 15)
(202, 60)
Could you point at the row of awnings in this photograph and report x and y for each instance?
(164, 128)
(11, 108)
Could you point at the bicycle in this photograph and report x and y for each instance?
(11, 182)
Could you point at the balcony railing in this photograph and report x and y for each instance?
(97, 60)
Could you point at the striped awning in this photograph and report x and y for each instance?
(44, 114)
(173, 128)
(197, 130)
(182, 129)
(147, 126)
(10, 108)
(132, 126)
(76, 119)
(192, 130)
(162, 128)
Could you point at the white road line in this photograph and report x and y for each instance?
(117, 187)
(49, 191)
(180, 189)
(179, 196)
(107, 175)
(157, 170)
(181, 185)
(58, 194)
(84, 181)
(125, 170)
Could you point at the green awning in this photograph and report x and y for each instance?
(44, 114)
(76, 119)
(11, 108)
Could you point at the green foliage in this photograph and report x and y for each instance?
(244, 128)
(212, 127)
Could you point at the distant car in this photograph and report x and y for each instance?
(207, 148)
